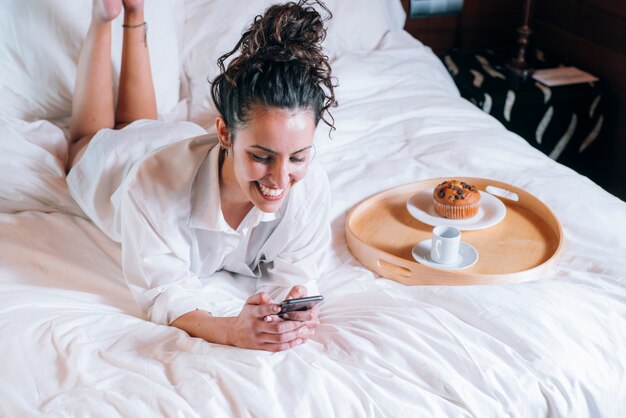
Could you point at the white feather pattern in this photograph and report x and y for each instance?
(545, 121)
(592, 135)
(547, 91)
(488, 68)
(487, 103)
(451, 65)
(560, 146)
(594, 105)
(478, 78)
(508, 104)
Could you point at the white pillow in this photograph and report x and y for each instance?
(212, 28)
(361, 25)
(40, 43)
(32, 167)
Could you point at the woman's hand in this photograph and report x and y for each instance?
(258, 327)
(309, 318)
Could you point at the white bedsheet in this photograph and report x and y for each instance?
(74, 343)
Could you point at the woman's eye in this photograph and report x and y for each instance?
(298, 159)
(260, 159)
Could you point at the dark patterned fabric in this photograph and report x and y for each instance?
(561, 121)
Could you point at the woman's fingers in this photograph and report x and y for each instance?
(282, 332)
(260, 298)
(286, 337)
(295, 337)
(299, 316)
(302, 337)
(275, 347)
(261, 305)
(263, 311)
(311, 315)
(298, 291)
(279, 327)
(272, 333)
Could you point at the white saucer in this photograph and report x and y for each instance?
(468, 256)
(490, 212)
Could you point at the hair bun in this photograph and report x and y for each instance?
(287, 31)
(276, 53)
(280, 53)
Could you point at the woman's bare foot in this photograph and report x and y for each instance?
(132, 5)
(106, 10)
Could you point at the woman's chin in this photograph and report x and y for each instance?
(267, 203)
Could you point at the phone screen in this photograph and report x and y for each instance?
(300, 304)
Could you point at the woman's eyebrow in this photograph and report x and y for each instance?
(274, 152)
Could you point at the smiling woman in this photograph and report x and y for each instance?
(270, 156)
(249, 201)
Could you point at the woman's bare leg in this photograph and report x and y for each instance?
(92, 103)
(136, 98)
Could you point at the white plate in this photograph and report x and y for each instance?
(490, 212)
(468, 256)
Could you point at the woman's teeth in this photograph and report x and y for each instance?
(267, 191)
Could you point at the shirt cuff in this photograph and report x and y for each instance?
(176, 301)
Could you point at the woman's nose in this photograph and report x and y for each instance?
(280, 174)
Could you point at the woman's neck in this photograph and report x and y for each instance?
(234, 203)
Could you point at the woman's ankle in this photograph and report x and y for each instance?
(134, 18)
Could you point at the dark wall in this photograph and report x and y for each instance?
(482, 23)
(589, 34)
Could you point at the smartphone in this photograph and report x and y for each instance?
(300, 304)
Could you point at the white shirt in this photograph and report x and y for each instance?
(159, 196)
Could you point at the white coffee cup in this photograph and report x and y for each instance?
(445, 244)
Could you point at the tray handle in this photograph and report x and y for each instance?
(398, 268)
(393, 268)
(502, 193)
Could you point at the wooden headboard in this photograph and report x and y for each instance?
(481, 23)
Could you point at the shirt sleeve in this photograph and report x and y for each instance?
(156, 267)
(301, 260)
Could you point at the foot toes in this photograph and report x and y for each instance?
(107, 10)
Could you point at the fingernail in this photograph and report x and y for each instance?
(276, 308)
(268, 319)
(299, 341)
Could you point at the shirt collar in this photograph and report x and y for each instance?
(206, 208)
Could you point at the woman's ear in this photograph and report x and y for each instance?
(223, 133)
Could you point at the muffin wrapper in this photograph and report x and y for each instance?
(456, 212)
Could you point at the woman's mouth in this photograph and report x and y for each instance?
(271, 193)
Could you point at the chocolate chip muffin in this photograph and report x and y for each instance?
(456, 200)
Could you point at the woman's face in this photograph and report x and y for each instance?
(269, 156)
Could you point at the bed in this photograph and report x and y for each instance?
(74, 342)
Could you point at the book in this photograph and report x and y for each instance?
(561, 76)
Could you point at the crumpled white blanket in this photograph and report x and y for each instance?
(75, 344)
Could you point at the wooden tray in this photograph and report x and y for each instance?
(381, 233)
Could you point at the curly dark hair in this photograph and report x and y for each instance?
(281, 64)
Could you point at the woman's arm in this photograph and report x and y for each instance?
(256, 327)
